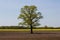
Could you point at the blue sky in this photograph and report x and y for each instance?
(10, 9)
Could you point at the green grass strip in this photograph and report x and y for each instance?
(26, 30)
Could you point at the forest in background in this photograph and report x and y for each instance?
(22, 27)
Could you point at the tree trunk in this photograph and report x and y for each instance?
(31, 29)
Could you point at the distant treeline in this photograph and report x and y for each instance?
(22, 27)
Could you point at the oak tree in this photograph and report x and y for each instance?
(30, 16)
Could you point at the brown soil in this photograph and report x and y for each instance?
(28, 36)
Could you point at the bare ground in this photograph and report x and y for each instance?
(28, 36)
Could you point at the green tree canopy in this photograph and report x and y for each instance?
(30, 16)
